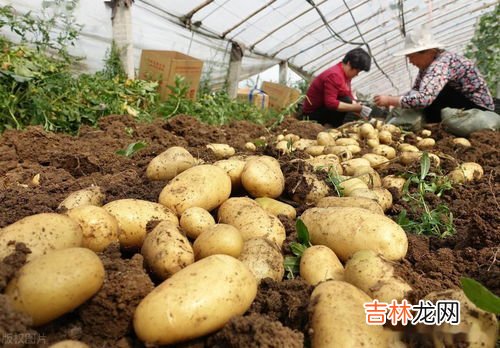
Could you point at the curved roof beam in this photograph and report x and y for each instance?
(186, 19)
(247, 18)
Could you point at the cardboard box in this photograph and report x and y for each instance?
(280, 96)
(253, 96)
(163, 66)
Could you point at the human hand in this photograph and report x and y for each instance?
(365, 112)
(386, 100)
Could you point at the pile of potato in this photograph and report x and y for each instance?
(206, 238)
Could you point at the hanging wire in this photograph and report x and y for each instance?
(402, 17)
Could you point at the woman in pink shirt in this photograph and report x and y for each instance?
(329, 97)
(444, 80)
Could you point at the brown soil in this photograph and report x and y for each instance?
(278, 317)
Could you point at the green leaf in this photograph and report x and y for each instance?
(292, 266)
(298, 249)
(132, 149)
(302, 232)
(480, 296)
(425, 165)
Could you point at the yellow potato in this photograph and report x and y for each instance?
(426, 143)
(356, 202)
(326, 163)
(466, 172)
(325, 138)
(376, 161)
(317, 189)
(88, 196)
(250, 146)
(99, 227)
(263, 258)
(205, 186)
(404, 147)
(367, 131)
(384, 150)
(69, 344)
(218, 239)
(291, 137)
(364, 193)
(350, 165)
(275, 207)
(349, 185)
(169, 163)
(384, 198)
(375, 276)
(369, 176)
(233, 168)
(41, 233)
(56, 283)
(346, 141)
(209, 293)
(251, 220)
(315, 150)
(262, 177)
(195, 220)
(462, 141)
(284, 147)
(319, 263)
(343, 152)
(133, 215)
(385, 137)
(221, 150)
(392, 181)
(348, 230)
(166, 250)
(302, 144)
(338, 318)
(372, 143)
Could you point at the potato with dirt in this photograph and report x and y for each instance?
(357, 202)
(338, 318)
(166, 250)
(169, 163)
(251, 220)
(194, 221)
(92, 195)
(205, 186)
(133, 216)
(319, 263)
(466, 172)
(41, 233)
(316, 189)
(262, 177)
(218, 239)
(233, 168)
(348, 230)
(263, 258)
(196, 301)
(375, 276)
(221, 150)
(56, 283)
(275, 207)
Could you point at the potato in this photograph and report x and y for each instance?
(133, 215)
(426, 143)
(284, 147)
(262, 177)
(317, 189)
(326, 163)
(462, 141)
(302, 144)
(372, 143)
(384, 150)
(263, 258)
(349, 185)
(291, 137)
(166, 250)
(69, 344)
(375, 276)
(395, 182)
(406, 157)
(355, 149)
(250, 146)
(41, 233)
(325, 138)
(221, 150)
(275, 207)
(194, 221)
(348, 230)
(233, 168)
(205, 186)
(367, 131)
(99, 227)
(338, 318)
(477, 328)
(376, 161)
(357, 202)
(346, 141)
(218, 239)
(390, 128)
(385, 137)
(315, 150)
(350, 165)
(369, 176)
(342, 152)
(209, 293)
(425, 133)
(364, 193)
(466, 172)
(319, 263)
(404, 147)
(56, 283)
(169, 163)
(251, 220)
(384, 198)
(92, 195)
(354, 136)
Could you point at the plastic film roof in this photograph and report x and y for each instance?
(292, 31)
(272, 31)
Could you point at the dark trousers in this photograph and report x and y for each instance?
(447, 98)
(335, 118)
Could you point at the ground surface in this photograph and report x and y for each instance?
(278, 316)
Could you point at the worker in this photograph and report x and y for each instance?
(329, 97)
(444, 79)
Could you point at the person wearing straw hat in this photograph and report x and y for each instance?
(329, 98)
(445, 79)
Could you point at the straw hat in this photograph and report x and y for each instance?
(418, 40)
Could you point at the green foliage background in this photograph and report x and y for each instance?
(484, 48)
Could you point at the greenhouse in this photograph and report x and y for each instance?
(228, 173)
